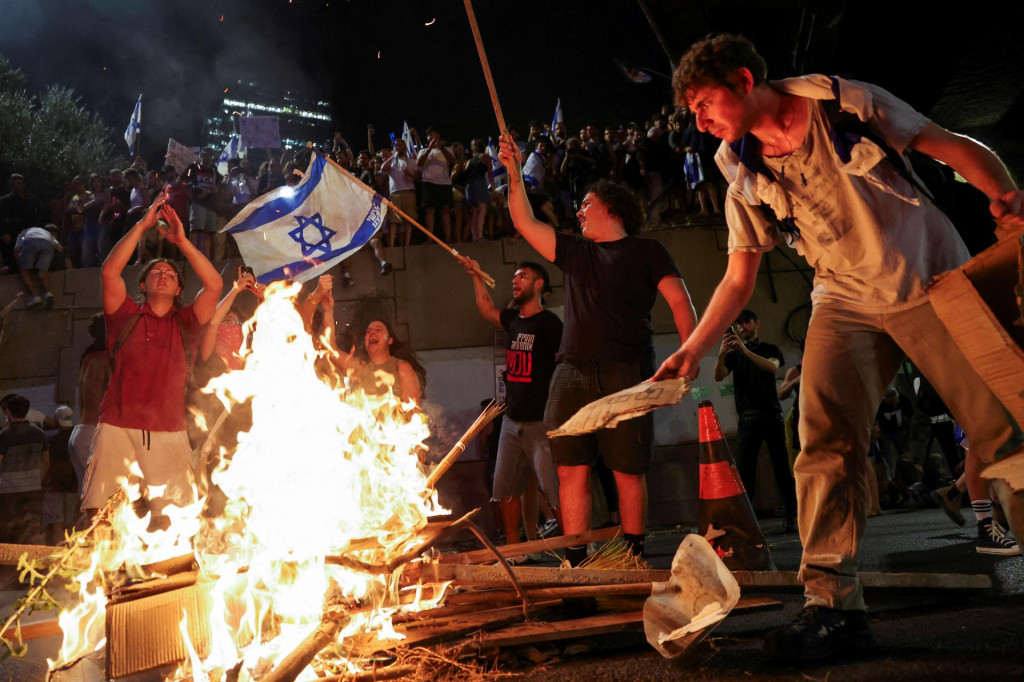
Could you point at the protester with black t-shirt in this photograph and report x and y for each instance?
(532, 335)
(753, 364)
(612, 280)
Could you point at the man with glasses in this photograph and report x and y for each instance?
(152, 347)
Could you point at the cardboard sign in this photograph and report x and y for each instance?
(260, 131)
(179, 155)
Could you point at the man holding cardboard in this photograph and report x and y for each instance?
(816, 161)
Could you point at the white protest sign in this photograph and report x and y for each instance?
(178, 155)
(260, 131)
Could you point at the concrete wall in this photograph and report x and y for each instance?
(430, 299)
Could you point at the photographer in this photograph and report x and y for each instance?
(434, 162)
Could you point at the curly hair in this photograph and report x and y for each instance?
(621, 203)
(714, 61)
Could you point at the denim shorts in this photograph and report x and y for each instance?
(36, 254)
(523, 448)
(627, 448)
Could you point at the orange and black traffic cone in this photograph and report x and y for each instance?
(725, 516)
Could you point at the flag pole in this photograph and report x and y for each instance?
(488, 280)
(486, 66)
(138, 137)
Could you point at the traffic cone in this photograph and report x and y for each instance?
(725, 516)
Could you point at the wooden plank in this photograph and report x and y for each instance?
(35, 630)
(873, 580)
(539, 631)
(535, 576)
(446, 629)
(479, 556)
(542, 576)
(605, 623)
(10, 554)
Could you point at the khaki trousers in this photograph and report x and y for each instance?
(850, 359)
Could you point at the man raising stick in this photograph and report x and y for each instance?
(813, 151)
(153, 348)
(611, 282)
(532, 336)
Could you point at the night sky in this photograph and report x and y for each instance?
(182, 53)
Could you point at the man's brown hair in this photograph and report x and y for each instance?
(714, 61)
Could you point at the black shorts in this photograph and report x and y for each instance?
(436, 195)
(627, 448)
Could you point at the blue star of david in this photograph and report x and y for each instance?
(314, 221)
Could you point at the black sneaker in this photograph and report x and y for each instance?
(992, 539)
(818, 633)
(386, 268)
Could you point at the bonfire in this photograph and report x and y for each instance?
(324, 486)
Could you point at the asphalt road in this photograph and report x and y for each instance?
(935, 635)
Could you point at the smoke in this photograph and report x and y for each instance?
(180, 55)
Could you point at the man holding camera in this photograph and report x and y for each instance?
(435, 162)
(753, 365)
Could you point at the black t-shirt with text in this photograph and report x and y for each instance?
(531, 346)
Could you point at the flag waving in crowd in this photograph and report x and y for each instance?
(300, 232)
(134, 126)
(556, 119)
(231, 151)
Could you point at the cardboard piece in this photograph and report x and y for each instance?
(628, 403)
(977, 304)
(144, 634)
(697, 597)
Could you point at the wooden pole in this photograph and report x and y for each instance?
(488, 280)
(486, 66)
(489, 414)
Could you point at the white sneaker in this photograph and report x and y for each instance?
(33, 302)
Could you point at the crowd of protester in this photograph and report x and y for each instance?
(456, 189)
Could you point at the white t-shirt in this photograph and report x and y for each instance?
(35, 233)
(873, 240)
(435, 170)
(398, 181)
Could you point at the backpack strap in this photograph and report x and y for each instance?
(122, 337)
(130, 326)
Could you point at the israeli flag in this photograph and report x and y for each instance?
(534, 169)
(498, 169)
(407, 137)
(302, 231)
(230, 151)
(556, 120)
(134, 126)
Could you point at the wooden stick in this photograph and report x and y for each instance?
(435, 536)
(488, 280)
(390, 672)
(295, 662)
(492, 410)
(917, 581)
(486, 66)
(504, 565)
(532, 633)
(535, 576)
(540, 545)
